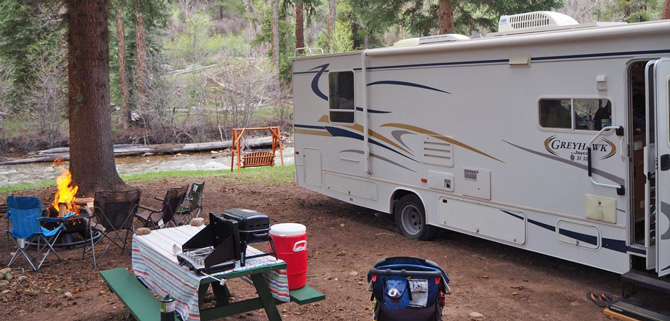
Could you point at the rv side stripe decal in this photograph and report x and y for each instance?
(373, 111)
(373, 155)
(438, 136)
(338, 132)
(407, 84)
(308, 126)
(596, 171)
(611, 244)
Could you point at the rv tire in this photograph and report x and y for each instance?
(410, 217)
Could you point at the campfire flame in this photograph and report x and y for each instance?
(66, 192)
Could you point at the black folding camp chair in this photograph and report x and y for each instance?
(192, 205)
(115, 211)
(156, 219)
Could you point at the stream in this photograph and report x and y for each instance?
(35, 172)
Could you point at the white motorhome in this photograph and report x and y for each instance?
(549, 136)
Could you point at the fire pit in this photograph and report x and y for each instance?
(73, 212)
(76, 229)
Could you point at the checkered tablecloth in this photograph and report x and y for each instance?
(157, 266)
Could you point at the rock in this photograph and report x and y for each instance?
(68, 295)
(21, 278)
(515, 293)
(476, 316)
(353, 273)
(142, 231)
(198, 221)
(3, 284)
(3, 272)
(5, 292)
(8, 276)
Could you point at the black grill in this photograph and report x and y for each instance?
(254, 227)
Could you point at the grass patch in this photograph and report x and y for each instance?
(27, 186)
(277, 175)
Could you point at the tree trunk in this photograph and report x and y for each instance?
(121, 40)
(446, 15)
(299, 26)
(141, 68)
(91, 150)
(331, 26)
(666, 10)
(275, 33)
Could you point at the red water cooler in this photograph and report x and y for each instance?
(290, 240)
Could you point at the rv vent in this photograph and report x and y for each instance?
(471, 174)
(534, 21)
(437, 152)
(430, 39)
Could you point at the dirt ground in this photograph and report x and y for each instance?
(344, 241)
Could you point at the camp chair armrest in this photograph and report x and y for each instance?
(149, 209)
(158, 199)
(52, 219)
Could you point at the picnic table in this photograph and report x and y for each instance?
(156, 266)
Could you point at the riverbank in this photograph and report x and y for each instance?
(37, 175)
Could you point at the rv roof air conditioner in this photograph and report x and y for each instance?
(430, 39)
(533, 21)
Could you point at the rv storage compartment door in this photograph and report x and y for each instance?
(351, 186)
(662, 234)
(312, 166)
(482, 220)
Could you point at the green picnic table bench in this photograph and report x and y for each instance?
(145, 307)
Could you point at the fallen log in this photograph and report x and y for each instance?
(63, 153)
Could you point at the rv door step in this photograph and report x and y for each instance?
(628, 308)
(645, 280)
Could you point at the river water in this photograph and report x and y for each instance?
(26, 173)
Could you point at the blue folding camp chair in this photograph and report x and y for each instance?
(408, 288)
(25, 214)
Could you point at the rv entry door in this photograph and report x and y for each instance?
(662, 217)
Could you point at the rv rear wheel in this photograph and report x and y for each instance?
(410, 217)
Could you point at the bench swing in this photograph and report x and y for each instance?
(255, 159)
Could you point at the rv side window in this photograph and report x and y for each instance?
(592, 114)
(583, 114)
(341, 96)
(555, 113)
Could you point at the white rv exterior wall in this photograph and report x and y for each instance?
(467, 92)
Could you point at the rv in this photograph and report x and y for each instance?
(550, 136)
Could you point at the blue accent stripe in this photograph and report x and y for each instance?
(339, 132)
(542, 225)
(510, 213)
(438, 64)
(404, 83)
(603, 54)
(315, 82)
(373, 111)
(308, 126)
(309, 72)
(611, 244)
(579, 236)
(620, 246)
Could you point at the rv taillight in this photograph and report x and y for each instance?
(424, 180)
(297, 152)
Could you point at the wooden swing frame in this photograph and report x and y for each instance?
(255, 159)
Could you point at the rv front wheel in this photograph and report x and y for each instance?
(410, 217)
